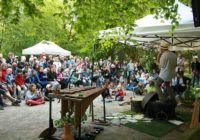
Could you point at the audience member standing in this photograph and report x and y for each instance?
(195, 66)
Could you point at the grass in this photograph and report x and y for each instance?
(129, 112)
(186, 115)
(154, 128)
(157, 128)
(195, 136)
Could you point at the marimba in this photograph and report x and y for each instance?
(77, 98)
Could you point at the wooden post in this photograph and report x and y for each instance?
(195, 114)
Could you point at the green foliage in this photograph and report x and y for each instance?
(196, 92)
(30, 31)
(75, 24)
(191, 94)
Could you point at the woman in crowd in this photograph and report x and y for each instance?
(42, 77)
(34, 79)
(61, 78)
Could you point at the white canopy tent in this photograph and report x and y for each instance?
(46, 47)
(153, 30)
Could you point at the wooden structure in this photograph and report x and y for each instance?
(196, 114)
(77, 98)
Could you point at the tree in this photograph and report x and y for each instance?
(12, 10)
(95, 15)
(74, 24)
(31, 30)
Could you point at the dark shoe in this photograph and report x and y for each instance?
(16, 103)
(1, 107)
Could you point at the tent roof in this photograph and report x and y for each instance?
(156, 26)
(185, 14)
(46, 47)
(153, 30)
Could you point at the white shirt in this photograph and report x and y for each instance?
(174, 81)
(168, 62)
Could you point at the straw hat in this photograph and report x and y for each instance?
(164, 45)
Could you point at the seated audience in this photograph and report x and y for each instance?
(42, 77)
(10, 81)
(140, 89)
(52, 79)
(33, 96)
(34, 79)
(112, 89)
(178, 85)
(20, 83)
(150, 87)
(61, 78)
(132, 85)
(6, 94)
(120, 92)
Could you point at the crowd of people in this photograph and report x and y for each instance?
(31, 79)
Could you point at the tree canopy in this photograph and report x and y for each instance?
(74, 24)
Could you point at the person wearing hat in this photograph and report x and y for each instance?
(167, 62)
(195, 66)
(150, 87)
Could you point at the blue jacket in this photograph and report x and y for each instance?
(9, 79)
(34, 79)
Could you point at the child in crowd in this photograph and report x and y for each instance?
(140, 89)
(120, 92)
(112, 89)
(20, 83)
(33, 96)
(10, 80)
(150, 87)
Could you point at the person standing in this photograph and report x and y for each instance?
(195, 66)
(167, 62)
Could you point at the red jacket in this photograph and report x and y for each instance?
(3, 75)
(19, 80)
(121, 93)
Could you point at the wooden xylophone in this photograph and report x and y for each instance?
(77, 99)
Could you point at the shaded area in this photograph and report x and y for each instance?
(154, 128)
(195, 136)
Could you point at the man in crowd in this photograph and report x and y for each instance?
(167, 62)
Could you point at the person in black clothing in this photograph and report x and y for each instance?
(195, 66)
(105, 73)
(106, 93)
(51, 77)
(10, 59)
(1, 103)
(139, 67)
(113, 72)
(21, 64)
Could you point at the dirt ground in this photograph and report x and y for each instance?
(26, 123)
